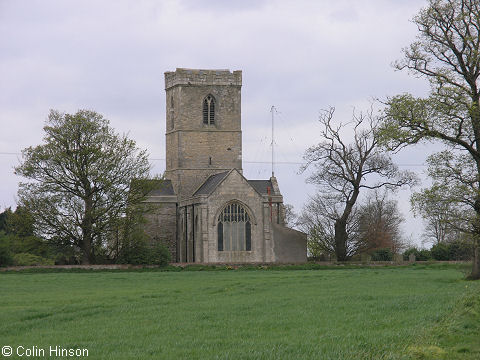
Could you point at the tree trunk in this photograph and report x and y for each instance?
(87, 224)
(476, 236)
(341, 238)
(475, 275)
(475, 116)
(86, 250)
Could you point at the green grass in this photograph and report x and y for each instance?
(358, 313)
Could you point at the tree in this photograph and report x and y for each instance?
(439, 211)
(447, 54)
(80, 180)
(379, 223)
(318, 221)
(17, 238)
(440, 252)
(342, 169)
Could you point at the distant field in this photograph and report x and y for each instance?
(364, 313)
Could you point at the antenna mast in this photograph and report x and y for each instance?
(273, 110)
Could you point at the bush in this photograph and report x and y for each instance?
(5, 251)
(420, 255)
(408, 252)
(140, 252)
(424, 255)
(460, 250)
(27, 259)
(440, 252)
(382, 255)
(160, 255)
(6, 258)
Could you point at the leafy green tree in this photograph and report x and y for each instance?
(460, 250)
(17, 237)
(20, 222)
(80, 180)
(439, 211)
(343, 169)
(440, 251)
(3, 219)
(447, 54)
(6, 257)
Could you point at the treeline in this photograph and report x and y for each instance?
(19, 246)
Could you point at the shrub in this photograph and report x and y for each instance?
(382, 255)
(420, 255)
(408, 252)
(160, 255)
(440, 252)
(460, 250)
(5, 252)
(27, 259)
(424, 255)
(6, 258)
(140, 252)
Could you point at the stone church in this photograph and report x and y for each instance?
(206, 210)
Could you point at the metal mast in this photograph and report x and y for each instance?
(273, 110)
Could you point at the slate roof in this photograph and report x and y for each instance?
(211, 183)
(261, 186)
(164, 188)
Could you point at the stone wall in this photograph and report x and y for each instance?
(161, 225)
(290, 246)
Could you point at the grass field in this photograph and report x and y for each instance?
(365, 313)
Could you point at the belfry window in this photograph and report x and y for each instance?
(234, 229)
(209, 110)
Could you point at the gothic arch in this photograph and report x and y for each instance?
(252, 216)
(209, 103)
(234, 228)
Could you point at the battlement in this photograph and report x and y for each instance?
(202, 77)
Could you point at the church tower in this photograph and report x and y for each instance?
(203, 126)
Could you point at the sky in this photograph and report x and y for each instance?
(299, 56)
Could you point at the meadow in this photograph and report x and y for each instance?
(414, 312)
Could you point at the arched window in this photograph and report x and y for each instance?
(209, 110)
(234, 229)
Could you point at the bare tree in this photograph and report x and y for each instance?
(318, 222)
(343, 169)
(379, 223)
(291, 216)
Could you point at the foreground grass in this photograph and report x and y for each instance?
(363, 313)
(457, 335)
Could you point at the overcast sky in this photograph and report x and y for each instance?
(110, 56)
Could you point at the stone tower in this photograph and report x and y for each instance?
(203, 126)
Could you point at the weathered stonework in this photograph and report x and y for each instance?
(195, 150)
(204, 176)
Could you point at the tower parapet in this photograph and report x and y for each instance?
(183, 76)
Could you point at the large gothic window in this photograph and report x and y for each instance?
(209, 110)
(234, 229)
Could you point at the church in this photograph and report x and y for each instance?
(206, 211)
